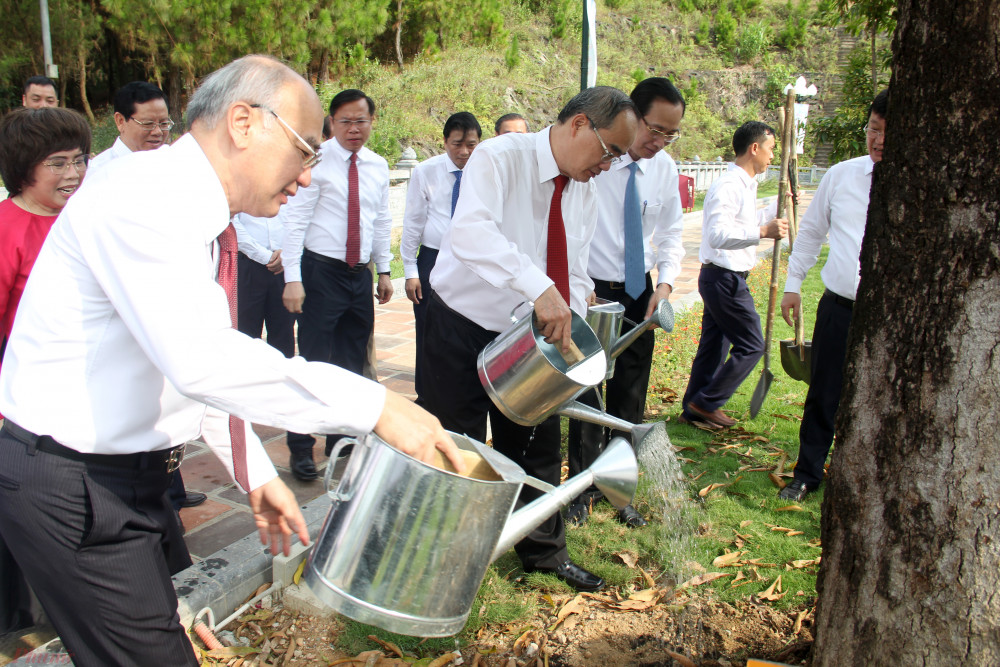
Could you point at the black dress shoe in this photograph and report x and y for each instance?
(577, 514)
(630, 517)
(303, 467)
(193, 499)
(795, 490)
(575, 576)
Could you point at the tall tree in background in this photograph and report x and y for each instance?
(911, 515)
(870, 17)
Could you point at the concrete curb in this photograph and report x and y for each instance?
(221, 582)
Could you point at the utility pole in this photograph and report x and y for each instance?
(588, 49)
(51, 70)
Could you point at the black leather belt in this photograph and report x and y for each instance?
(841, 300)
(162, 460)
(333, 261)
(716, 267)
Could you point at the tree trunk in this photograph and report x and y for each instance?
(399, 33)
(874, 64)
(176, 112)
(911, 517)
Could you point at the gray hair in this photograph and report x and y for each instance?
(601, 104)
(257, 79)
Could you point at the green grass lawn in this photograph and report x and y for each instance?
(689, 530)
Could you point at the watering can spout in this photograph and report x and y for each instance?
(615, 473)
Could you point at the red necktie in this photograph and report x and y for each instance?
(556, 265)
(353, 254)
(227, 278)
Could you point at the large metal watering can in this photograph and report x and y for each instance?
(528, 381)
(405, 545)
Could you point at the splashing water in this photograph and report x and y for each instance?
(663, 485)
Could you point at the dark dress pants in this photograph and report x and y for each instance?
(91, 540)
(730, 319)
(337, 319)
(426, 259)
(625, 392)
(259, 304)
(829, 349)
(454, 394)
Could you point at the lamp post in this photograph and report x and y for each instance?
(588, 48)
(51, 70)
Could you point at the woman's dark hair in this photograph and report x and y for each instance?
(28, 136)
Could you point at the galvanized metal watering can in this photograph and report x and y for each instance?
(529, 381)
(405, 545)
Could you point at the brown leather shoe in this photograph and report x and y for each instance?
(691, 420)
(716, 416)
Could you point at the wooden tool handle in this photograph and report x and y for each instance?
(573, 356)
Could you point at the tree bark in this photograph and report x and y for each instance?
(874, 64)
(911, 516)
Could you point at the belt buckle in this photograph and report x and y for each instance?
(175, 458)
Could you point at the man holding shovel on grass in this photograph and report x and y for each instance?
(732, 227)
(839, 210)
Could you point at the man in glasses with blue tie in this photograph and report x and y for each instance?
(639, 226)
(430, 202)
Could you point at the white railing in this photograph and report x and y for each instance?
(704, 173)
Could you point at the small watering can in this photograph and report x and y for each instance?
(528, 381)
(606, 318)
(405, 545)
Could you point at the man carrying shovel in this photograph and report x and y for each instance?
(732, 228)
(839, 210)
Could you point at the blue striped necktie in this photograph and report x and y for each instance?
(454, 190)
(635, 278)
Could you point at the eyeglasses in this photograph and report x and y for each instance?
(345, 122)
(150, 125)
(670, 137)
(312, 156)
(608, 155)
(874, 134)
(59, 165)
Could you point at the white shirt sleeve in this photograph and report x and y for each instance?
(297, 214)
(248, 245)
(382, 230)
(813, 230)
(722, 227)
(414, 220)
(668, 234)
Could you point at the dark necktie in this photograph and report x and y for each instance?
(227, 278)
(556, 265)
(353, 254)
(635, 276)
(454, 191)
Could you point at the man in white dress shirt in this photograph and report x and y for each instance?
(639, 226)
(732, 228)
(124, 335)
(431, 197)
(521, 232)
(262, 282)
(332, 229)
(142, 119)
(510, 122)
(39, 92)
(839, 211)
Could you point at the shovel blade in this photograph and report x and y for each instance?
(760, 392)
(796, 361)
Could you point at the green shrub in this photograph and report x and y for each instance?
(560, 18)
(512, 56)
(752, 41)
(638, 75)
(725, 29)
(794, 32)
(742, 8)
(704, 34)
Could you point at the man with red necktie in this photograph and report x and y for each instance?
(332, 230)
(521, 232)
(123, 336)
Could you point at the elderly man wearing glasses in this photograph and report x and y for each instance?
(123, 336)
(142, 119)
(332, 230)
(639, 226)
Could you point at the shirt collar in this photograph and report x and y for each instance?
(869, 165)
(333, 146)
(198, 170)
(745, 178)
(626, 160)
(449, 165)
(547, 167)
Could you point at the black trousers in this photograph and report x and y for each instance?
(730, 324)
(426, 258)
(624, 393)
(259, 304)
(829, 349)
(454, 394)
(337, 318)
(92, 541)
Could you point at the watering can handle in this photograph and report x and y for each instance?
(339, 493)
(514, 318)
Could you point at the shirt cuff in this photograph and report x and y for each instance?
(383, 267)
(793, 285)
(293, 273)
(532, 282)
(410, 271)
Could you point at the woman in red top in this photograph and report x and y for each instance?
(43, 157)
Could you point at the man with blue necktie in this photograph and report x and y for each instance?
(431, 197)
(639, 226)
